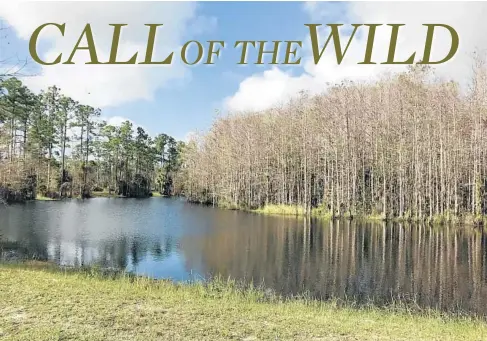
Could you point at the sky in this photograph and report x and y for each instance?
(178, 99)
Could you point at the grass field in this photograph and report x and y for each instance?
(43, 303)
(42, 198)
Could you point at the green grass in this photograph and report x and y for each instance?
(43, 303)
(157, 194)
(320, 212)
(43, 198)
(104, 194)
(281, 210)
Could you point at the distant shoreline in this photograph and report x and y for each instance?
(298, 211)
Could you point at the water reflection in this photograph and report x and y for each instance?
(436, 267)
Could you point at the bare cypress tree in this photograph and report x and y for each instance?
(408, 146)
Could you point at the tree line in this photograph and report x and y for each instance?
(408, 146)
(54, 146)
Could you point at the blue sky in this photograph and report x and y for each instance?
(182, 99)
(189, 105)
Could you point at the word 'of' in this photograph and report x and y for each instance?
(214, 46)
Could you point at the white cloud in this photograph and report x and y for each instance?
(107, 85)
(273, 86)
(316, 11)
(117, 121)
(189, 136)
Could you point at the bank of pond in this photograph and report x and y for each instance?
(39, 301)
(8, 196)
(364, 262)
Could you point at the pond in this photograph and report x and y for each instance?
(438, 267)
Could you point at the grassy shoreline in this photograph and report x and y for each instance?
(38, 302)
(298, 211)
(43, 198)
(295, 210)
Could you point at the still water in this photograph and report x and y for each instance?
(442, 267)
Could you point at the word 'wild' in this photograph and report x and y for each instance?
(259, 46)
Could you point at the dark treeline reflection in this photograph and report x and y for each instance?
(440, 267)
(120, 253)
(435, 267)
(126, 234)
